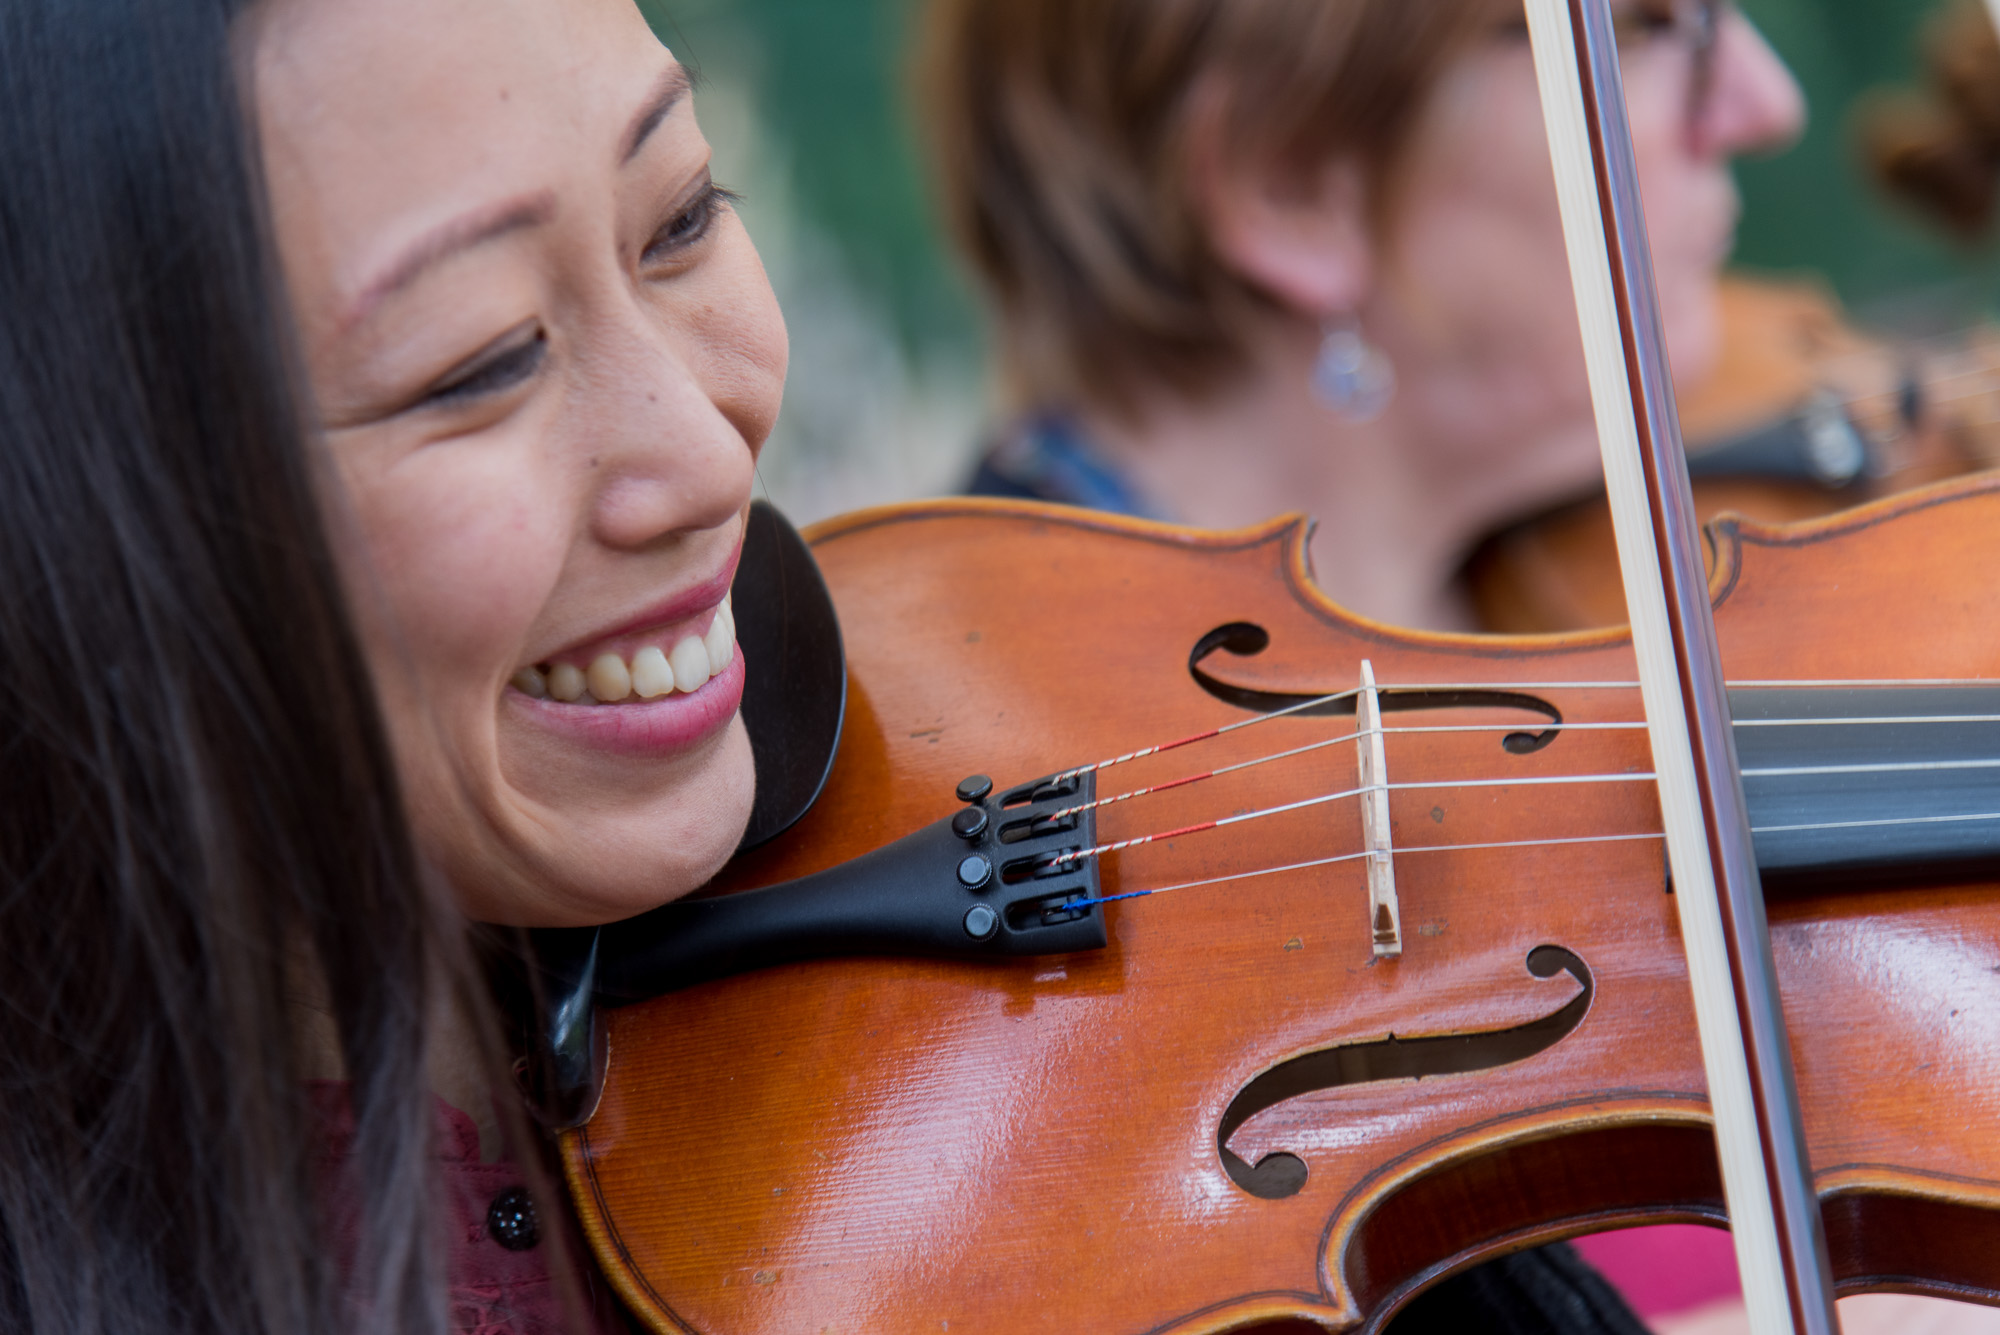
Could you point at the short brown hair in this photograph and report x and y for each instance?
(1060, 131)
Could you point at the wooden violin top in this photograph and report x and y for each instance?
(890, 1146)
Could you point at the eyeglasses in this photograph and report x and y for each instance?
(1693, 25)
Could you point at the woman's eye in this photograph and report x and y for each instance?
(504, 369)
(1649, 18)
(688, 226)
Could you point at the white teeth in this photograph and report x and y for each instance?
(652, 676)
(566, 683)
(720, 640)
(610, 680)
(690, 663)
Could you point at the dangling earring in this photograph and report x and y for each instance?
(1351, 375)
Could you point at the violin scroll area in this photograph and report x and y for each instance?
(1280, 1174)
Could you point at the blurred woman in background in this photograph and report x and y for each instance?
(1266, 256)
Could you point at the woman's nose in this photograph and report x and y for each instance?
(664, 459)
(1753, 103)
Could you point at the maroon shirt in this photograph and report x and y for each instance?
(498, 1265)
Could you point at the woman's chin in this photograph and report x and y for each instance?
(582, 860)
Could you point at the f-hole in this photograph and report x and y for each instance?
(1246, 639)
(1279, 1174)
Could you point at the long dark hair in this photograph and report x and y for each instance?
(198, 814)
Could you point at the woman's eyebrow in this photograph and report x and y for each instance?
(462, 233)
(671, 87)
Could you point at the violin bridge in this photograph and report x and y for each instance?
(1385, 919)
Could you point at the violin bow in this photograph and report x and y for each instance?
(1766, 1176)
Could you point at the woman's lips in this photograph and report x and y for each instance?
(642, 728)
(642, 667)
(688, 609)
(661, 683)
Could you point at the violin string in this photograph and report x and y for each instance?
(1985, 382)
(1419, 688)
(1890, 399)
(1633, 725)
(1355, 857)
(1064, 861)
(1514, 843)
(1886, 820)
(1987, 376)
(1986, 390)
(1858, 720)
(1540, 725)
(1067, 859)
(1186, 779)
(1533, 780)
(1857, 683)
(1529, 780)
(1984, 374)
(1293, 751)
(1623, 725)
(1334, 697)
(1192, 738)
(1887, 767)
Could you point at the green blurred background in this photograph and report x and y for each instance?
(807, 101)
(829, 80)
(1811, 207)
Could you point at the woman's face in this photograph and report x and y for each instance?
(544, 355)
(1473, 293)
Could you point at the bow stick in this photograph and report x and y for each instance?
(1767, 1181)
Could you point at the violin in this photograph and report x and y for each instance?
(1242, 1108)
(1266, 1004)
(1804, 416)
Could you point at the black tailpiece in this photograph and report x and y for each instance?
(989, 881)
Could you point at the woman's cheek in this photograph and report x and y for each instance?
(460, 546)
(1692, 322)
(747, 346)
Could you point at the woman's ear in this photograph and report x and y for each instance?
(1300, 237)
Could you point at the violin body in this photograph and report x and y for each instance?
(891, 1146)
(1919, 414)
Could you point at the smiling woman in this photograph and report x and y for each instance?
(380, 389)
(545, 355)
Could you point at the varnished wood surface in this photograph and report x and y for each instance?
(1783, 341)
(897, 1146)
